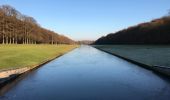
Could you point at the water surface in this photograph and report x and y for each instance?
(88, 74)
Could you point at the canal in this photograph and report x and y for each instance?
(88, 74)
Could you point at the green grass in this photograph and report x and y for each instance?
(148, 54)
(16, 56)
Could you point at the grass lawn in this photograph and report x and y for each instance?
(148, 54)
(16, 56)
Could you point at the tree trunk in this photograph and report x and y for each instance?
(52, 40)
(16, 42)
(6, 39)
(13, 40)
(10, 40)
(3, 36)
(3, 39)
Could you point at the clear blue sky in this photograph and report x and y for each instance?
(90, 19)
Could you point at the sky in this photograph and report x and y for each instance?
(90, 19)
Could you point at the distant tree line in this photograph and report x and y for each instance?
(85, 42)
(155, 32)
(16, 28)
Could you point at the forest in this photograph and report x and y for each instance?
(17, 28)
(155, 32)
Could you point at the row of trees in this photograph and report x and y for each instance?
(85, 42)
(155, 32)
(16, 28)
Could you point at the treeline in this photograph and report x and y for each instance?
(16, 28)
(155, 32)
(85, 42)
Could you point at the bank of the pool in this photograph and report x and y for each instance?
(8, 75)
(163, 70)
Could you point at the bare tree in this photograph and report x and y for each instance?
(18, 28)
(9, 13)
